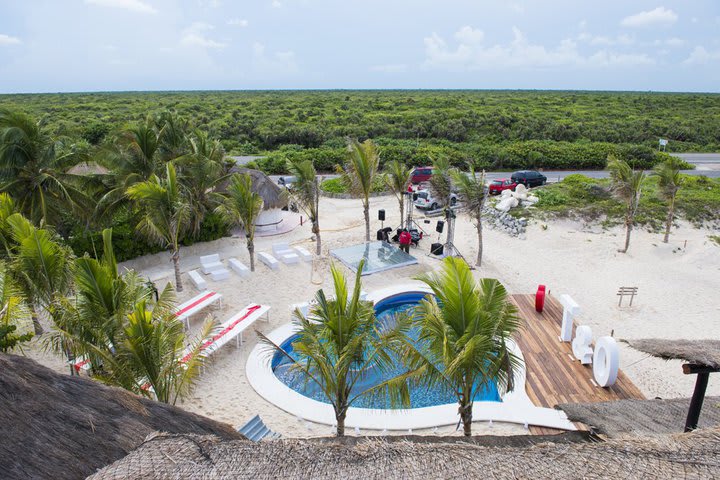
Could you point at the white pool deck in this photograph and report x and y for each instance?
(516, 407)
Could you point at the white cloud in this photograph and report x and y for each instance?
(606, 41)
(670, 42)
(582, 24)
(194, 36)
(658, 16)
(701, 56)
(278, 62)
(276, 4)
(8, 40)
(390, 68)
(238, 22)
(517, 7)
(209, 3)
(469, 35)
(132, 5)
(519, 53)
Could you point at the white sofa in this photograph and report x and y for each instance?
(209, 263)
(238, 267)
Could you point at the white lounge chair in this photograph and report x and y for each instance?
(197, 280)
(238, 267)
(285, 254)
(268, 260)
(303, 253)
(196, 305)
(220, 274)
(209, 263)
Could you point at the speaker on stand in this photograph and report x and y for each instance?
(381, 217)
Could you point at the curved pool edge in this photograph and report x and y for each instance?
(516, 407)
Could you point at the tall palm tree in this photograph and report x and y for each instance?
(670, 181)
(360, 169)
(14, 312)
(241, 207)
(473, 192)
(626, 184)
(341, 344)
(397, 179)
(306, 190)
(165, 213)
(35, 171)
(201, 171)
(41, 265)
(173, 134)
(464, 330)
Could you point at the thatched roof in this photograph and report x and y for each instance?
(702, 352)
(58, 426)
(691, 455)
(272, 194)
(641, 417)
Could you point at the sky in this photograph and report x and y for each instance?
(110, 45)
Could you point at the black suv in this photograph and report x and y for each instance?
(529, 178)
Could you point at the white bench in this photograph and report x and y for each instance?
(303, 253)
(197, 279)
(196, 305)
(286, 254)
(268, 260)
(209, 263)
(231, 328)
(238, 267)
(220, 274)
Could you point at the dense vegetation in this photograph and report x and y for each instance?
(698, 201)
(493, 129)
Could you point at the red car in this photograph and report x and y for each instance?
(497, 186)
(421, 174)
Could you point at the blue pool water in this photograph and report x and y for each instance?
(420, 396)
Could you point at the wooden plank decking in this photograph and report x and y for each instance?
(553, 374)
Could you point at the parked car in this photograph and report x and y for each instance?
(529, 178)
(421, 174)
(424, 199)
(497, 186)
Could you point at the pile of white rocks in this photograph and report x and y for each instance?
(503, 221)
(520, 197)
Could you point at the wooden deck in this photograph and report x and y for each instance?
(553, 374)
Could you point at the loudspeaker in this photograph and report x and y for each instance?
(415, 197)
(382, 235)
(381, 215)
(439, 227)
(437, 249)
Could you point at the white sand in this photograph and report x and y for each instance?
(677, 296)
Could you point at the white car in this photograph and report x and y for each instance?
(425, 200)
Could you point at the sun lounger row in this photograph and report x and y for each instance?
(285, 254)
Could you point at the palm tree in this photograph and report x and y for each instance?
(35, 171)
(464, 330)
(40, 264)
(166, 213)
(306, 190)
(341, 344)
(669, 180)
(397, 179)
(201, 171)
(242, 207)
(473, 192)
(14, 312)
(626, 184)
(360, 169)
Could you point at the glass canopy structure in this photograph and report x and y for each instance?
(379, 256)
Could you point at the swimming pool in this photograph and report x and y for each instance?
(385, 311)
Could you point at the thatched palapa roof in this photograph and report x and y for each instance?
(185, 456)
(58, 426)
(701, 352)
(641, 417)
(272, 194)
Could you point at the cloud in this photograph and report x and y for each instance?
(209, 3)
(701, 56)
(670, 42)
(276, 4)
(278, 62)
(469, 35)
(194, 36)
(8, 40)
(390, 68)
(519, 53)
(659, 16)
(517, 8)
(132, 5)
(238, 22)
(606, 41)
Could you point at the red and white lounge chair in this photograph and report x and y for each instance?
(195, 305)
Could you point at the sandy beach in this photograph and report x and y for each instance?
(678, 284)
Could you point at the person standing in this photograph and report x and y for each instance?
(405, 240)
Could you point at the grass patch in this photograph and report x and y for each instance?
(337, 185)
(591, 200)
(715, 239)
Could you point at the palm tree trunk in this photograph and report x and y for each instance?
(251, 252)
(176, 265)
(340, 418)
(480, 242)
(668, 223)
(366, 211)
(402, 210)
(316, 232)
(39, 330)
(628, 230)
(466, 416)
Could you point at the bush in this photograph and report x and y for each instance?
(337, 185)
